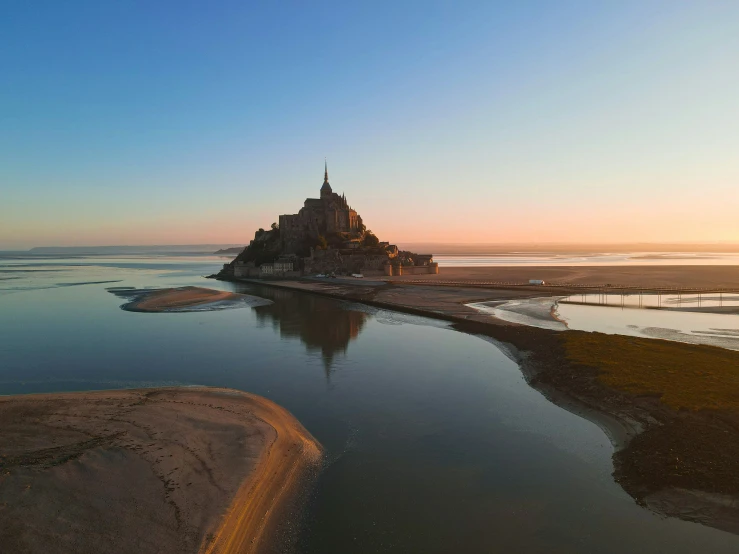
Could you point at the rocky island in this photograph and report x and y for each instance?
(327, 236)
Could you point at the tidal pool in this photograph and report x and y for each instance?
(711, 319)
(697, 319)
(434, 441)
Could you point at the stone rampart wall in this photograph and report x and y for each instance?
(430, 269)
(246, 271)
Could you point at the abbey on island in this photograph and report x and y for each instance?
(326, 236)
(325, 216)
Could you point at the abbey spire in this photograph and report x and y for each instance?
(326, 188)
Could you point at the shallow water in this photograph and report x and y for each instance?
(590, 259)
(669, 317)
(434, 441)
(534, 312)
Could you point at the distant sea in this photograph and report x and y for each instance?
(467, 256)
(512, 259)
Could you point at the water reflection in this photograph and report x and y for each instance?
(322, 324)
(715, 302)
(711, 319)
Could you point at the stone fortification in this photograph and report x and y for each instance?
(326, 236)
(327, 216)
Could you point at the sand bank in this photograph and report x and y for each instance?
(539, 312)
(150, 470)
(183, 299)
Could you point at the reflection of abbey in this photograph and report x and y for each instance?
(326, 236)
(323, 327)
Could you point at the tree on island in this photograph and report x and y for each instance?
(370, 239)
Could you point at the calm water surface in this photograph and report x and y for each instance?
(593, 258)
(434, 441)
(711, 319)
(666, 316)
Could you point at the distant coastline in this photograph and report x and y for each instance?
(436, 248)
(485, 249)
(128, 249)
(235, 250)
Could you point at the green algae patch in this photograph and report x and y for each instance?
(683, 376)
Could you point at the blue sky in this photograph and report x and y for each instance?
(187, 122)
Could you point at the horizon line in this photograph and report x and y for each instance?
(440, 243)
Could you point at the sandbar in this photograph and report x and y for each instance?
(176, 299)
(189, 469)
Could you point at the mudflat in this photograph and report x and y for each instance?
(632, 276)
(149, 470)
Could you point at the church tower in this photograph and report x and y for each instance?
(326, 188)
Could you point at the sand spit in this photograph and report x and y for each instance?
(183, 299)
(149, 470)
(538, 312)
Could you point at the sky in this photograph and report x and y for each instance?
(184, 122)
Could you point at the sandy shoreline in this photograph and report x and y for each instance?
(250, 516)
(214, 470)
(539, 312)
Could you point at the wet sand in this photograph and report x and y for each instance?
(150, 470)
(177, 298)
(540, 312)
(631, 276)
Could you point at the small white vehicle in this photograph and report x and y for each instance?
(357, 275)
(536, 282)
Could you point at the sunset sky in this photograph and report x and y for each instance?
(193, 122)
